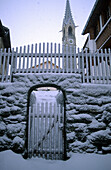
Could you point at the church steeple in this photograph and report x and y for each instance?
(68, 14)
(68, 28)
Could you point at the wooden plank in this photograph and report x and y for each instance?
(59, 142)
(63, 48)
(46, 127)
(51, 58)
(31, 58)
(75, 63)
(7, 65)
(47, 63)
(67, 60)
(35, 65)
(55, 58)
(55, 111)
(42, 122)
(91, 74)
(83, 72)
(38, 131)
(99, 67)
(20, 60)
(29, 133)
(3, 66)
(15, 60)
(106, 67)
(71, 60)
(28, 48)
(23, 66)
(11, 69)
(39, 57)
(103, 69)
(87, 71)
(50, 135)
(33, 128)
(109, 51)
(43, 57)
(59, 57)
(79, 69)
(95, 68)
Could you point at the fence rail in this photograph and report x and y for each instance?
(52, 58)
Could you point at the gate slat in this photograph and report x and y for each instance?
(29, 133)
(42, 113)
(46, 127)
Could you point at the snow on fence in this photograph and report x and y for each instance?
(52, 58)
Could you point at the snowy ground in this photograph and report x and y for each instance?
(12, 161)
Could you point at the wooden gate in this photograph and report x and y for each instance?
(46, 131)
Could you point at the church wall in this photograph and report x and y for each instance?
(88, 112)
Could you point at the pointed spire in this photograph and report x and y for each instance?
(68, 14)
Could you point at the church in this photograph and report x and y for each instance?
(68, 28)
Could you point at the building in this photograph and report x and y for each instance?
(98, 26)
(68, 28)
(4, 37)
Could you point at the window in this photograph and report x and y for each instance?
(70, 30)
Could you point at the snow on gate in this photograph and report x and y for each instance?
(46, 129)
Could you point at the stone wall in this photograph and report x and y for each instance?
(88, 112)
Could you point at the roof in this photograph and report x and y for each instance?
(49, 62)
(5, 34)
(68, 14)
(96, 10)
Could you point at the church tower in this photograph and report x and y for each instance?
(68, 28)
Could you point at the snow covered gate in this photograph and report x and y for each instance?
(45, 131)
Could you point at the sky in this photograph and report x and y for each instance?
(38, 21)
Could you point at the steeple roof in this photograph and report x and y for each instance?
(68, 14)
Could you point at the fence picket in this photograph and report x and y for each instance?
(63, 48)
(103, 69)
(55, 57)
(27, 69)
(79, 70)
(31, 58)
(47, 62)
(19, 69)
(94, 67)
(106, 66)
(109, 50)
(87, 72)
(4, 63)
(23, 67)
(39, 66)
(51, 58)
(83, 72)
(7, 64)
(35, 67)
(43, 57)
(59, 69)
(11, 69)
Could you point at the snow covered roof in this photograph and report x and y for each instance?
(68, 15)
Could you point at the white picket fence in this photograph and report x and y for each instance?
(51, 58)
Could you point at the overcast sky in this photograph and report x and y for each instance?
(34, 21)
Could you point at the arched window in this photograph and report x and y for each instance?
(70, 30)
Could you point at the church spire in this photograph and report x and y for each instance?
(68, 14)
(68, 28)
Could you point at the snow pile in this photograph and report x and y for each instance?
(12, 161)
